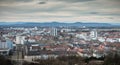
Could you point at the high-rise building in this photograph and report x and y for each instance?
(54, 31)
(1, 32)
(20, 39)
(6, 46)
(35, 28)
(93, 34)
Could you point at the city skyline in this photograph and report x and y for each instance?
(69, 11)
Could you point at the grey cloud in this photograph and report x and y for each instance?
(9, 1)
(94, 13)
(111, 17)
(116, 0)
(75, 7)
(42, 2)
(24, 10)
(104, 13)
(73, 1)
(111, 14)
(24, 0)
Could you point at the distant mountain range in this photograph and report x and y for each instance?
(55, 24)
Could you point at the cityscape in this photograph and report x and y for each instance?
(59, 32)
(32, 43)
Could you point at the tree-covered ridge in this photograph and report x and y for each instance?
(111, 59)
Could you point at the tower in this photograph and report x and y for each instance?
(54, 31)
(93, 34)
(1, 32)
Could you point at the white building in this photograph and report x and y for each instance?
(35, 28)
(82, 36)
(66, 30)
(6, 46)
(31, 40)
(101, 39)
(54, 31)
(94, 34)
(20, 39)
(3, 44)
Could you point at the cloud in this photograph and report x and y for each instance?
(60, 10)
(42, 2)
(15, 0)
(73, 1)
(94, 12)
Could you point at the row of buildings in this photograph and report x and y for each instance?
(6, 46)
(45, 42)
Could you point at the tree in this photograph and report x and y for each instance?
(5, 61)
(112, 59)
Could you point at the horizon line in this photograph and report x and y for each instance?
(54, 22)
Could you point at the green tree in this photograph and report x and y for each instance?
(5, 61)
(112, 59)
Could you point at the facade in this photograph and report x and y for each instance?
(54, 31)
(93, 34)
(20, 39)
(6, 46)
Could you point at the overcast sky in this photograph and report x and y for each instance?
(60, 10)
